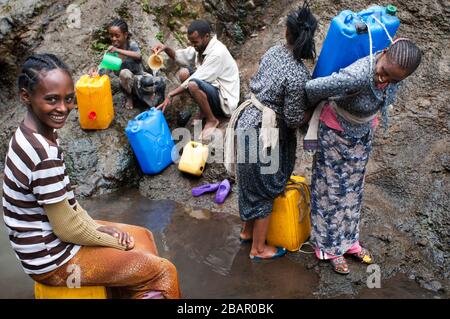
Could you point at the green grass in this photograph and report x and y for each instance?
(99, 46)
(160, 36)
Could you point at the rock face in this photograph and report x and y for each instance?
(405, 218)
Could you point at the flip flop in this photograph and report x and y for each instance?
(245, 241)
(207, 188)
(153, 295)
(279, 253)
(222, 192)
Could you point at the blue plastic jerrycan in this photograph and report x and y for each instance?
(348, 37)
(151, 141)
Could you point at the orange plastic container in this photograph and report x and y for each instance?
(94, 98)
(290, 224)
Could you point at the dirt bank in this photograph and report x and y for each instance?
(405, 218)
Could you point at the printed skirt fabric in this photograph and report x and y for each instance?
(337, 188)
(262, 177)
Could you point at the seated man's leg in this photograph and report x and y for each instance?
(207, 97)
(184, 74)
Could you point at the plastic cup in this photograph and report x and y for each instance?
(155, 62)
(111, 62)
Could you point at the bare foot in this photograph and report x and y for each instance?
(199, 116)
(129, 103)
(209, 128)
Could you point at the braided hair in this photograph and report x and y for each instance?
(405, 54)
(34, 65)
(301, 25)
(121, 24)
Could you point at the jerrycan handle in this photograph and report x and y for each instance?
(142, 116)
(348, 18)
(366, 15)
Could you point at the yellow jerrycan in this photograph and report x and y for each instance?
(193, 159)
(94, 99)
(290, 224)
(42, 291)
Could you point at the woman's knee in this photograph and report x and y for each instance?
(160, 267)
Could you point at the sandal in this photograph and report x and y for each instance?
(340, 265)
(243, 240)
(280, 252)
(364, 256)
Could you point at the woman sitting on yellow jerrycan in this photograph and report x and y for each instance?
(136, 84)
(48, 229)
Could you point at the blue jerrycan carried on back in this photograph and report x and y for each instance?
(350, 34)
(151, 141)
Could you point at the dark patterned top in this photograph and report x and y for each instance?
(353, 89)
(278, 84)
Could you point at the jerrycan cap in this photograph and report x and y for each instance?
(92, 115)
(391, 10)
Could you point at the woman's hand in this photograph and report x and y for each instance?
(123, 238)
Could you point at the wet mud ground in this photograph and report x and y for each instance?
(211, 262)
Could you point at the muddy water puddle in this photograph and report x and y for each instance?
(205, 248)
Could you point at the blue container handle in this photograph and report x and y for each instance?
(142, 116)
(367, 15)
(134, 127)
(348, 18)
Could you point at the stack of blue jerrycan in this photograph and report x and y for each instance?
(151, 141)
(350, 34)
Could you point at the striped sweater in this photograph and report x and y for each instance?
(35, 175)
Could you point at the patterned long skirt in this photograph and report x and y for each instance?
(337, 188)
(261, 178)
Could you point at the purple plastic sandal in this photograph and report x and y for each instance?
(153, 295)
(223, 191)
(207, 188)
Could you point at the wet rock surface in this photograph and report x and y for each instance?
(405, 218)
